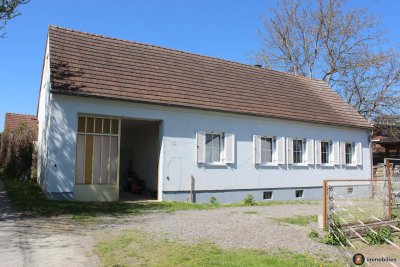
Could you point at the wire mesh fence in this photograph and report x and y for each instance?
(357, 208)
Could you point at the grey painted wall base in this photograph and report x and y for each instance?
(234, 196)
(62, 196)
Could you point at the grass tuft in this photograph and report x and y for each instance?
(299, 220)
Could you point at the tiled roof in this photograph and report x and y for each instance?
(97, 66)
(14, 120)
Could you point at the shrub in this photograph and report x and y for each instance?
(379, 237)
(213, 201)
(16, 148)
(249, 200)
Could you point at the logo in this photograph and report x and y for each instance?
(358, 259)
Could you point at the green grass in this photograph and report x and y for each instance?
(137, 249)
(299, 220)
(28, 198)
(250, 212)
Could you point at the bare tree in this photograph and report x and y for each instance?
(322, 40)
(9, 10)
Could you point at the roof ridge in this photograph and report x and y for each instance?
(13, 113)
(188, 53)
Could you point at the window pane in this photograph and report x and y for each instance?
(114, 128)
(209, 140)
(268, 144)
(96, 159)
(81, 124)
(263, 143)
(113, 160)
(263, 156)
(80, 159)
(99, 125)
(269, 156)
(216, 155)
(106, 126)
(88, 159)
(216, 141)
(105, 159)
(90, 125)
(208, 154)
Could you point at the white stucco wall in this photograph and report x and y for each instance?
(178, 159)
(43, 114)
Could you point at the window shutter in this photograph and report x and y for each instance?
(317, 151)
(290, 150)
(201, 147)
(343, 153)
(229, 148)
(335, 152)
(257, 149)
(280, 150)
(358, 156)
(310, 151)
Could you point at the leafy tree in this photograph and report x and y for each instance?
(321, 39)
(9, 10)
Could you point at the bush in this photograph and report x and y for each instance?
(379, 237)
(213, 201)
(249, 200)
(16, 148)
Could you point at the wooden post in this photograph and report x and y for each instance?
(325, 204)
(191, 188)
(389, 181)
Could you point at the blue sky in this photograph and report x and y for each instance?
(225, 29)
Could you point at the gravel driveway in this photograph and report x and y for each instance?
(60, 241)
(238, 227)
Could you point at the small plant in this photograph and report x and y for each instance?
(313, 234)
(379, 237)
(213, 201)
(335, 236)
(249, 200)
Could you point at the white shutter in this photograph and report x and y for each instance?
(257, 149)
(335, 152)
(358, 156)
(229, 148)
(280, 150)
(201, 147)
(290, 150)
(318, 151)
(309, 151)
(343, 152)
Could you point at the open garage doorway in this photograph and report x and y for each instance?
(139, 159)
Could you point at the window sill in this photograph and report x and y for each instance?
(215, 164)
(268, 164)
(300, 164)
(327, 165)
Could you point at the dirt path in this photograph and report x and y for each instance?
(56, 241)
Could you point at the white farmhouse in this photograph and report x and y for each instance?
(116, 115)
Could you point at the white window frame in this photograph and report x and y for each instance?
(353, 148)
(303, 154)
(273, 152)
(330, 155)
(221, 152)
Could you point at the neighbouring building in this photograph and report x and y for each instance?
(14, 120)
(113, 112)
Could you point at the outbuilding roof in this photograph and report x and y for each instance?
(14, 120)
(91, 65)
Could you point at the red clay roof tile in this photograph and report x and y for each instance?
(97, 66)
